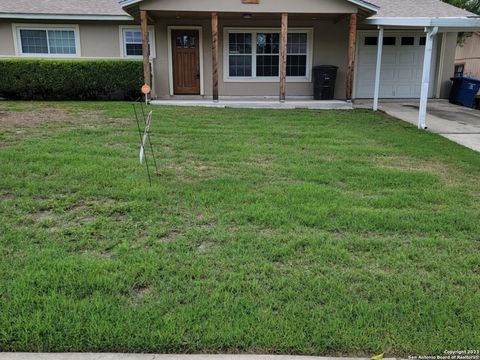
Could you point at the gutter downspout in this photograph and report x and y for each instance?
(427, 64)
(379, 68)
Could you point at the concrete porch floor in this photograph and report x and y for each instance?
(259, 104)
(456, 123)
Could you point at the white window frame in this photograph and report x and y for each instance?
(268, 79)
(45, 27)
(123, 44)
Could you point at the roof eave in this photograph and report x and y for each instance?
(361, 3)
(365, 5)
(470, 23)
(126, 3)
(27, 16)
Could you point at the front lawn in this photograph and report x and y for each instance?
(303, 232)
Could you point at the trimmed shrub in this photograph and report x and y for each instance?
(31, 79)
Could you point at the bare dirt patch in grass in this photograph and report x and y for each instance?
(31, 118)
(42, 215)
(444, 172)
(24, 121)
(140, 291)
(170, 236)
(204, 246)
(192, 170)
(6, 196)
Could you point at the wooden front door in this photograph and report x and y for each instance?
(186, 62)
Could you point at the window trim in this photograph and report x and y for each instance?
(455, 68)
(17, 41)
(269, 79)
(123, 44)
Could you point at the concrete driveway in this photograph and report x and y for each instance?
(456, 123)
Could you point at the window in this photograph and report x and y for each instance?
(268, 49)
(255, 55)
(185, 42)
(240, 54)
(371, 41)
(390, 41)
(423, 41)
(132, 41)
(297, 45)
(50, 41)
(459, 70)
(408, 40)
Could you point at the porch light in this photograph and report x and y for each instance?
(247, 16)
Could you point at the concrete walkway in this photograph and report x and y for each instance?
(261, 104)
(457, 123)
(78, 356)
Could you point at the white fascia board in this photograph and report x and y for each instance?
(65, 17)
(365, 5)
(465, 23)
(468, 22)
(125, 3)
(398, 21)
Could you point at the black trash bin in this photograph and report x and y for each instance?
(324, 77)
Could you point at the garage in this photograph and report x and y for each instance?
(402, 65)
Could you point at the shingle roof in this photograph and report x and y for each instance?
(388, 8)
(62, 7)
(417, 8)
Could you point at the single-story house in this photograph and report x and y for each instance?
(208, 49)
(467, 58)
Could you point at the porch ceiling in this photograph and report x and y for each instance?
(240, 16)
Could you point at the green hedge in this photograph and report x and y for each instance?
(70, 79)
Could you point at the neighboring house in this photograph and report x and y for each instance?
(467, 59)
(202, 48)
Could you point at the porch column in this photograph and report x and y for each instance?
(378, 69)
(427, 65)
(352, 43)
(146, 54)
(215, 56)
(283, 56)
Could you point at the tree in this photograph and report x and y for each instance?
(470, 5)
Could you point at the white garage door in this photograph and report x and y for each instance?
(402, 65)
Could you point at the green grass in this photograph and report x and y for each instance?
(302, 232)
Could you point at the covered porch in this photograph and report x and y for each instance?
(250, 51)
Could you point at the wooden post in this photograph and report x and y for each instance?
(352, 43)
(146, 53)
(283, 56)
(215, 55)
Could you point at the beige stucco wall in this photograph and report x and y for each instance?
(265, 6)
(97, 39)
(329, 47)
(446, 73)
(6, 39)
(100, 39)
(469, 54)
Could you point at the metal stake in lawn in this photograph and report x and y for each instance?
(144, 137)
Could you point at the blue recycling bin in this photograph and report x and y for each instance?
(464, 90)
